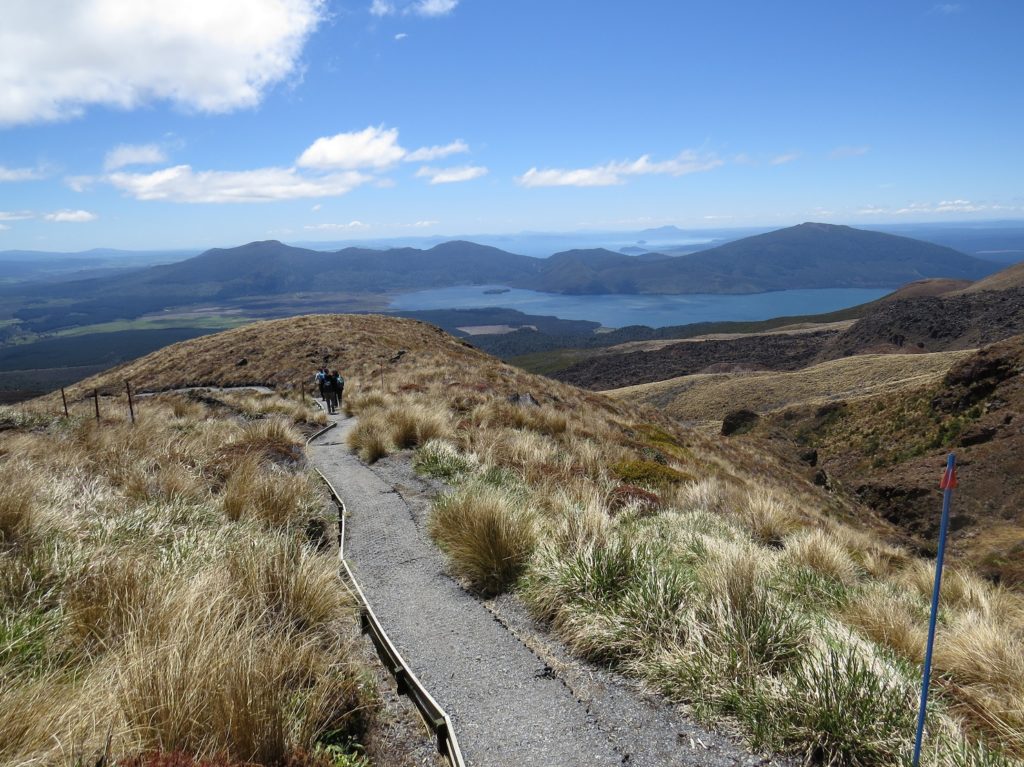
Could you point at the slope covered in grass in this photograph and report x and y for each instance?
(167, 588)
(712, 396)
(710, 570)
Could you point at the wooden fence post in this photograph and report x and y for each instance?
(96, 399)
(64, 399)
(131, 405)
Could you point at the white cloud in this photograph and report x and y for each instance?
(369, 148)
(451, 175)
(433, 7)
(19, 174)
(182, 184)
(134, 154)
(71, 216)
(316, 207)
(401, 36)
(848, 151)
(614, 173)
(416, 7)
(430, 153)
(56, 59)
(782, 159)
(4, 227)
(15, 215)
(947, 8)
(425, 224)
(335, 227)
(943, 206)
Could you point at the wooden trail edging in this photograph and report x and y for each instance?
(435, 717)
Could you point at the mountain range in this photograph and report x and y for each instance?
(810, 255)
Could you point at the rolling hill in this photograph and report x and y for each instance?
(806, 256)
(810, 255)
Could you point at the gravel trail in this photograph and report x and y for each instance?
(510, 700)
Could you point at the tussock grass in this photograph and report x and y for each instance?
(821, 552)
(768, 516)
(846, 710)
(488, 535)
(395, 424)
(156, 586)
(19, 506)
(268, 495)
(371, 437)
(442, 459)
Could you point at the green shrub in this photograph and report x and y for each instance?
(648, 473)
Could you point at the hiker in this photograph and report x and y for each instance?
(321, 382)
(335, 388)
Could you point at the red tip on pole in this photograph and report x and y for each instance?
(949, 481)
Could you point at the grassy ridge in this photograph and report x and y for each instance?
(712, 396)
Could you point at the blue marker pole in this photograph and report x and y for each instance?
(949, 482)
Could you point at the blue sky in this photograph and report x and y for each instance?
(196, 124)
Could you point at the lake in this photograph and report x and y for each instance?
(654, 310)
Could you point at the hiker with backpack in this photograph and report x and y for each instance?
(335, 388)
(320, 379)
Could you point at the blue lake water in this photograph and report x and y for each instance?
(653, 310)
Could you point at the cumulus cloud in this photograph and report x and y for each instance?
(416, 7)
(431, 153)
(401, 36)
(331, 166)
(451, 175)
(374, 148)
(15, 215)
(134, 154)
(782, 159)
(71, 216)
(369, 148)
(55, 61)
(182, 184)
(614, 173)
(19, 174)
(848, 151)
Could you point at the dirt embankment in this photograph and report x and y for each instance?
(933, 324)
(913, 325)
(889, 454)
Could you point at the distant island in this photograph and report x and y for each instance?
(497, 291)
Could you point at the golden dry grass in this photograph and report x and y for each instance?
(157, 588)
(712, 396)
